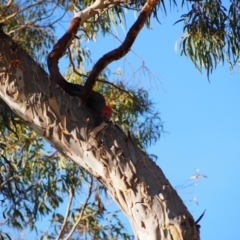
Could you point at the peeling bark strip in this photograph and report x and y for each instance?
(134, 181)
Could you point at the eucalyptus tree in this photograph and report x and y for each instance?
(73, 118)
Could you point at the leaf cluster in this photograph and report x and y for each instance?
(211, 34)
(135, 113)
(32, 24)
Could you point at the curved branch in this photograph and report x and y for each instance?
(119, 52)
(58, 51)
(65, 41)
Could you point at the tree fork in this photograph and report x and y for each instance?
(64, 42)
(122, 50)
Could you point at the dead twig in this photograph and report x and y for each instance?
(82, 211)
(66, 214)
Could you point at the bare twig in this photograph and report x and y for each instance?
(22, 10)
(8, 180)
(66, 214)
(73, 65)
(82, 211)
(103, 81)
(4, 10)
(122, 90)
(114, 35)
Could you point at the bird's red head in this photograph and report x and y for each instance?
(106, 112)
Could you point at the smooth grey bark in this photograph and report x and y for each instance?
(134, 181)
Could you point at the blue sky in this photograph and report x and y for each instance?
(201, 119)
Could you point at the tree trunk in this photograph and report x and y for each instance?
(134, 181)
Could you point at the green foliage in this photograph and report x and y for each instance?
(31, 24)
(34, 183)
(29, 175)
(134, 112)
(211, 34)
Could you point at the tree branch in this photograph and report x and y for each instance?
(8, 180)
(66, 215)
(119, 52)
(82, 211)
(73, 65)
(65, 41)
(17, 12)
